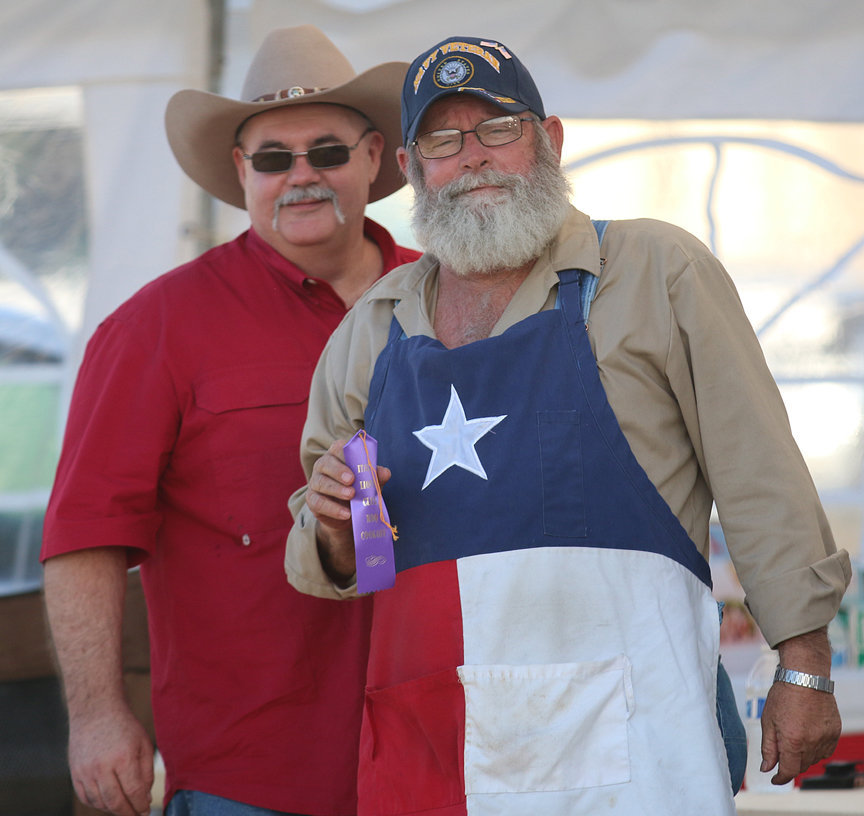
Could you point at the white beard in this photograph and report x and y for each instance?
(485, 233)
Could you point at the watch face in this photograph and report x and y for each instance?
(452, 72)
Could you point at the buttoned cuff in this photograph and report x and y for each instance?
(801, 601)
(303, 566)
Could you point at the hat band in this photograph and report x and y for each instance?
(288, 93)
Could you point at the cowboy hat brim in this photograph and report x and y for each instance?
(202, 128)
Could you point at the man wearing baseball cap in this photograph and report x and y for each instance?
(182, 449)
(556, 403)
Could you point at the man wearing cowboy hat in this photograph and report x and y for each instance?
(182, 448)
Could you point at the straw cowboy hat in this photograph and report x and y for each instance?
(293, 66)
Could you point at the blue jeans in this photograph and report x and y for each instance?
(195, 803)
(731, 727)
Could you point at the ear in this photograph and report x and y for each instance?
(402, 158)
(555, 128)
(376, 148)
(240, 164)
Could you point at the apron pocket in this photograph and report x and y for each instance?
(411, 747)
(546, 727)
(561, 474)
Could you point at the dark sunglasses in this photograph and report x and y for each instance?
(322, 156)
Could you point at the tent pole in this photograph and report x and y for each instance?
(215, 65)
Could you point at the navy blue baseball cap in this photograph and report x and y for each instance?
(471, 65)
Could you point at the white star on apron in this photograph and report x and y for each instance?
(452, 442)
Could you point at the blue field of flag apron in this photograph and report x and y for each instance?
(551, 643)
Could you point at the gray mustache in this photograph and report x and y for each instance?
(297, 195)
(466, 183)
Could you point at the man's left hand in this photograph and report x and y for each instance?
(800, 726)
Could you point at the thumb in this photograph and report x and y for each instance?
(770, 755)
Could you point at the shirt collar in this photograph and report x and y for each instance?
(295, 275)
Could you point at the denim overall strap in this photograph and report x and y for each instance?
(587, 281)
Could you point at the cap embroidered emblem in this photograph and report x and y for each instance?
(452, 72)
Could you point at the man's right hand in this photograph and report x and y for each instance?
(111, 762)
(328, 496)
(110, 754)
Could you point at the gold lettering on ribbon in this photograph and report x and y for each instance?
(367, 534)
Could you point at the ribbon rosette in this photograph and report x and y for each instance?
(373, 533)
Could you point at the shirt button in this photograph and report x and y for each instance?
(246, 540)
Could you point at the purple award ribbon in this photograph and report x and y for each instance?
(373, 534)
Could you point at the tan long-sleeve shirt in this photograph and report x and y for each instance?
(686, 378)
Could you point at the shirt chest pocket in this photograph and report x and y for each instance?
(249, 420)
(256, 385)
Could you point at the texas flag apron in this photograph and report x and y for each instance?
(550, 646)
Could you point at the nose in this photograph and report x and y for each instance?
(473, 154)
(301, 173)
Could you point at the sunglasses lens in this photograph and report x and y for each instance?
(273, 161)
(281, 161)
(329, 155)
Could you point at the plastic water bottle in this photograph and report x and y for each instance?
(759, 681)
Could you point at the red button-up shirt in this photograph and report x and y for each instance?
(182, 446)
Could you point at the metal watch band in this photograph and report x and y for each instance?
(813, 681)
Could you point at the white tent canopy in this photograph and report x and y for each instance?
(641, 65)
(635, 59)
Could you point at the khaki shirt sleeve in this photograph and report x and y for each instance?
(775, 526)
(337, 404)
(686, 377)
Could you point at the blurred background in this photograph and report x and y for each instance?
(742, 122)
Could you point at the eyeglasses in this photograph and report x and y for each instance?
(321, 156)
(438, 144)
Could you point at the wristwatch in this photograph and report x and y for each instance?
(797, 678)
